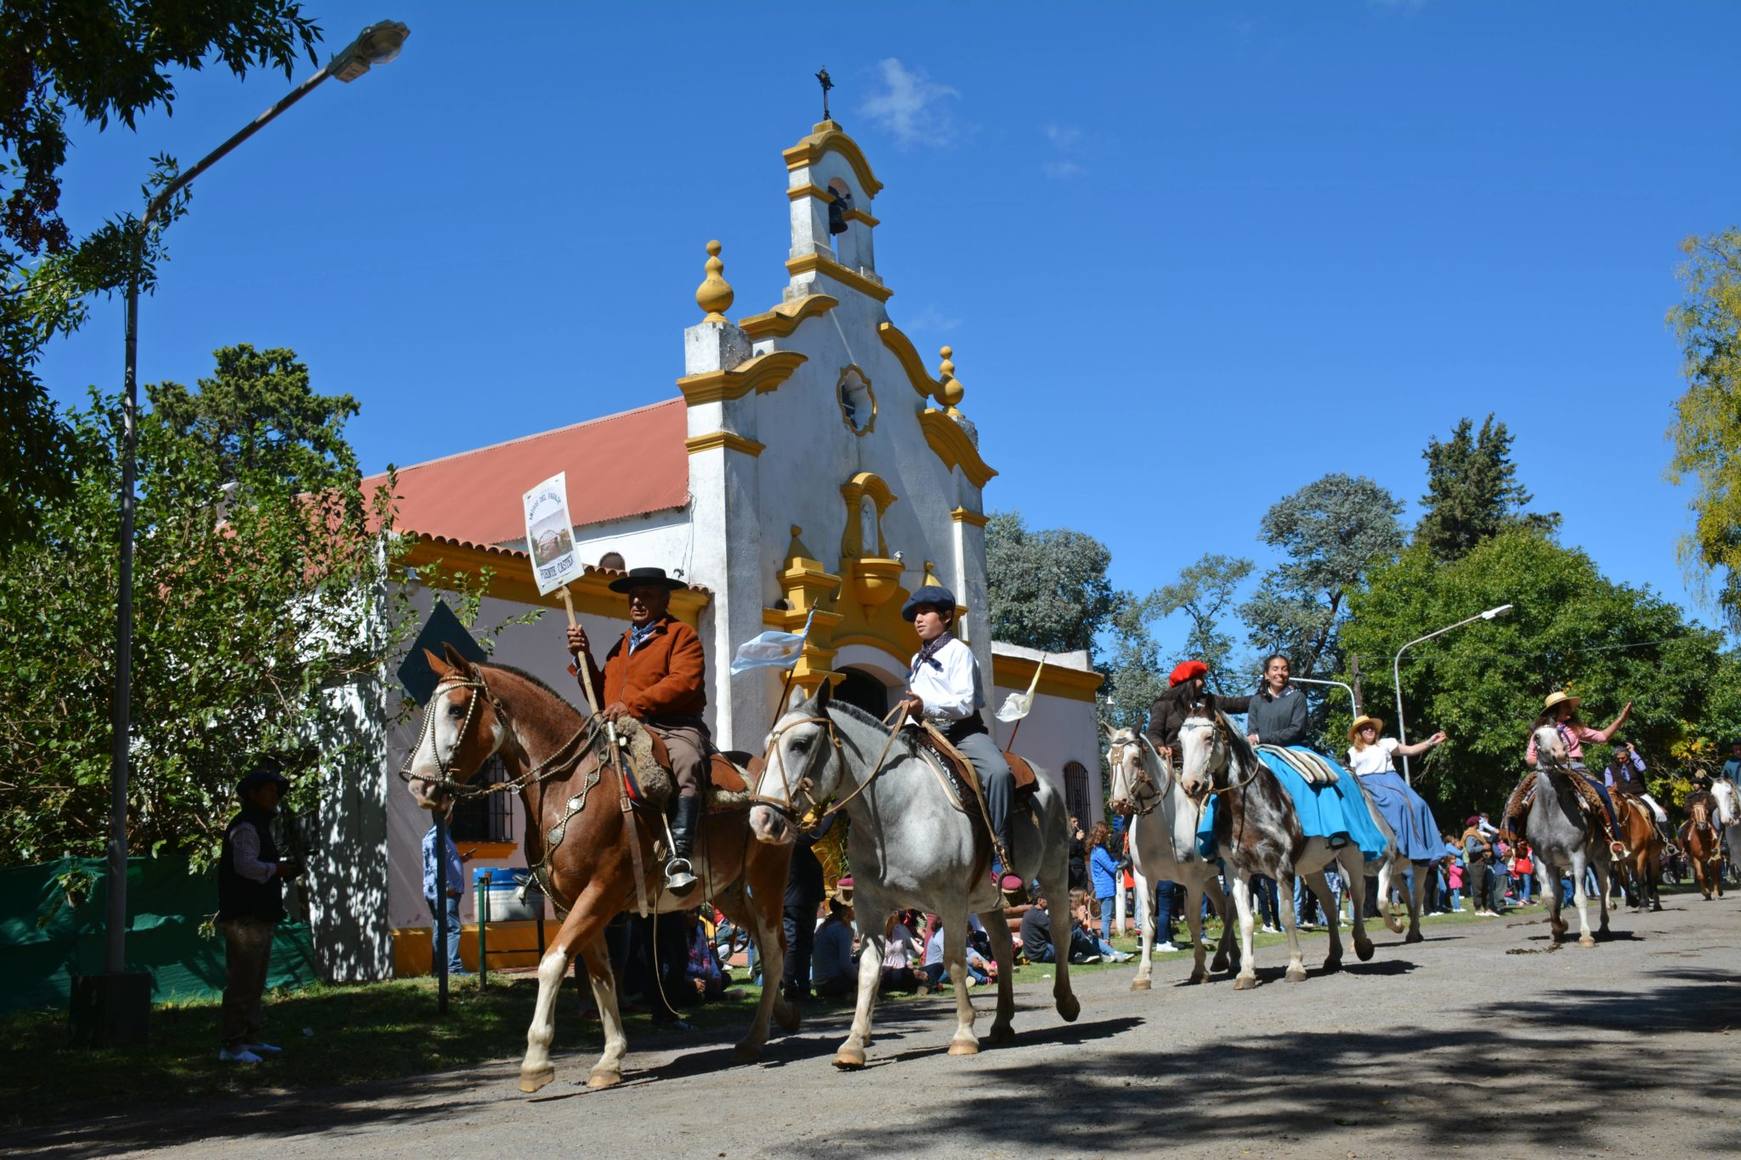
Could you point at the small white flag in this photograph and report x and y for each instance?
(771, 650)
(1017, 705)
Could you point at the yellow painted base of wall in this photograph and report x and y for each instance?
(511, 944)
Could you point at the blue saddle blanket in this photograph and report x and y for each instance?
(1409, 815)
(1337, 813)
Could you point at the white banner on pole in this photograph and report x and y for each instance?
(550, 534)
(1019, 705)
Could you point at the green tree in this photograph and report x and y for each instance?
(1332, 533)
(1048, 589)
(1203, 592)
(1707, 427)
(1472, 491)
(258, 585)
(101, 61)
(1570, 628)
(1134, 676)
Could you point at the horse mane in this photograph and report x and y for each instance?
(865, 717)
(535, 682)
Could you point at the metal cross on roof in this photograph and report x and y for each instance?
(822, 79)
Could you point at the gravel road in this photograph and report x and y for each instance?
(1477, 1041)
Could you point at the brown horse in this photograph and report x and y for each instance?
(575, 801)
(1702, 843)
(1641, 864)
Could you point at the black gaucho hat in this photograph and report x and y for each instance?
(933, 594)
(266, 771)
(646, 578)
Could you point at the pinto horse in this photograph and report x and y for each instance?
(1703, 842)
(1163, 847)
(915, 842)
(574, 795)
(1257, 831)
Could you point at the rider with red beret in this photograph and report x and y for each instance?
(1185, 689)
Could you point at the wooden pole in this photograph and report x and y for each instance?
(583, 663)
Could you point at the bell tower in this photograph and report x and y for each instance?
(831, 189)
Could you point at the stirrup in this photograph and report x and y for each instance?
(679, 875)
(1617, 848)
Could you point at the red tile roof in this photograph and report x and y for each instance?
(620, 465)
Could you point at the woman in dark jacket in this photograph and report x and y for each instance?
(1276, 713)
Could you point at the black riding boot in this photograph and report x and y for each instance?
(678, 872)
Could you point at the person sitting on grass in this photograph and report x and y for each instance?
(1037, 933)
(1083, 940)
(833, 969)
(901, 956)
(936, 973)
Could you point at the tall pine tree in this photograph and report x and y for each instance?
(1473, 492)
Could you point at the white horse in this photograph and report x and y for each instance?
(1564, 837)
(1260, 834)
(1729, 817)
(912, 844)
(1163, 847)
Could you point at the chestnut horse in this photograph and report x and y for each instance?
(1703, 842)
(1641, 865)
(557, 758)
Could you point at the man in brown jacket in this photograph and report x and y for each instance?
(654, 673)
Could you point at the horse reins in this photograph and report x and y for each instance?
(816, 812)
(561, 760)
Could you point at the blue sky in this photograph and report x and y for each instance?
(1243, 245)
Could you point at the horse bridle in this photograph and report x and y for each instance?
(788, 807)
(1145, 803)
(560, 758)
(1219, 725)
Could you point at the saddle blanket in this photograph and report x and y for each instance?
(1324, 811)
(1409, 815)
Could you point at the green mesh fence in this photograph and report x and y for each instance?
(46, 939)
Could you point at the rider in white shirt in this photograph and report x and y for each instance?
(1371, 753)
(945, 688)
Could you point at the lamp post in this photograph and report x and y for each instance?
(1396, 672)
(378, 44)
(1343, 685)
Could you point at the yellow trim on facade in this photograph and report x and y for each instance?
(784, 319)
(962, 516)
(953, 446)
(826, 136)
(858, 215)
(806, 263)
(730, 440)
(761, 374)
(511, 579)
(810, 189)
(1009, 672)
(902, 348)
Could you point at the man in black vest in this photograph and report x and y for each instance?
(250, 904)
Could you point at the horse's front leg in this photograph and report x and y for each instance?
(1319, 885)
(1296, 972)
(1417, 895)
(1223, 907)
(850, 1055)
(1003, 952)
(964, 1041)
(1057, 892)
(1580, 899)
(1354, 869)
(1144, 966)
(577, 933)
(1247, 977)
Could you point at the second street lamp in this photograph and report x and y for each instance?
(120, 998)
(1396, 672)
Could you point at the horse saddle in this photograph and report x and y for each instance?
(1314, 768)
(956, 764)
(1518, 804)
(726, 780)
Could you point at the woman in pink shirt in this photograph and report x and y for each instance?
(1561, 711)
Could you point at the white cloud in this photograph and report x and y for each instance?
(931, 320)
(911, 107)
(1067, 142)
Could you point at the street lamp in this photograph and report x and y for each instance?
(378, 44)
(1396, 672)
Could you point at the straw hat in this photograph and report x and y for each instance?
(1361, 722)
(1560, 698)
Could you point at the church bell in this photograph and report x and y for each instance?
(837, 214)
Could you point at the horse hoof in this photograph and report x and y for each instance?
(1296, 974)
(1244, 983)
(788, 1016)
(963, 1047)
(1331, 966)
(1141, 984)
(1363, 950)
(1198, 977)
(747, 1052)
(1001, 1033)
(531, 1081)
(1586, 941)
(1415, 936)
(1069, 1007)
(849, 1058)
(603, 1079)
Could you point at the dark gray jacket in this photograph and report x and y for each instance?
(1276, 720)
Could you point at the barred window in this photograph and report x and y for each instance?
(1076, 793)
(485, 817)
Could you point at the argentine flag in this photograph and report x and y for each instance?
(771, 650)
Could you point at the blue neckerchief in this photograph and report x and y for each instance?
(928, 654)
(640, 636)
